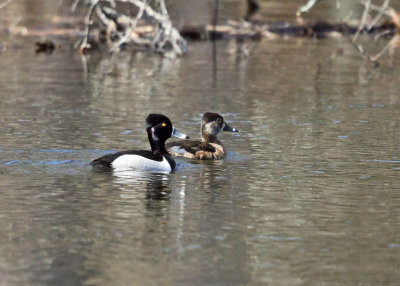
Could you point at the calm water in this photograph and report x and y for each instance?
(308, 193)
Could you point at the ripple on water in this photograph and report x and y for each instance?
(46, 160)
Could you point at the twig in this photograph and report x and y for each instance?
(73, 6)
(4, 4)
(379, 15)
(360, 49)
(347, 17)
(362, 26)
(381, 53)
(149, 11)
(163, 8)
(103, 17)
(88, 18)
(363, 20)
(374, 7)
(379, 35)
(129, 31)
(306, 8)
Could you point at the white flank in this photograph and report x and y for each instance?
(140, 163)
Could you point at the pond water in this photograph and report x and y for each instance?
(308, 193)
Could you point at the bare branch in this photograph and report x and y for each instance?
(128, 33)
(306, 8)
(382, 52)
(374, 7)
(123, 28)
(363, 20)
(73, 7)
(88, 18)
(379, 15)
(362, 26)
(149, 11)
(5, 3)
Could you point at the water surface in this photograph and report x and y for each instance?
(308, 193)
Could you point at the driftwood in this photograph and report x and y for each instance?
(121, 28)
(230, 30)
(321, 29)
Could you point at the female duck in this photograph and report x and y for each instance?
(159, 128)
(209, 148)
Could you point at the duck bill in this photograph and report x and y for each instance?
(228, 128)
(178, 134)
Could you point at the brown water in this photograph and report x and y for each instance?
(308, 193)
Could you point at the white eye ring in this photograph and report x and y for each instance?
(219, 120)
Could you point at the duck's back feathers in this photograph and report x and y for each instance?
(191, 146)
(196, 150)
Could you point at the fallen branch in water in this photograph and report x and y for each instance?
(246, 30)
(230, 30)
(365, 27)
(121, 28)
(363, 21)
(381, 10)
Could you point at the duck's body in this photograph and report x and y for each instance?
(209, 148)
(159, 129)
(197, 150)
(137, 159)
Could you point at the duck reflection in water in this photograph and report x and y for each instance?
(156, 184)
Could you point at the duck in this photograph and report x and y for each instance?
(159, 128)
(209, 147)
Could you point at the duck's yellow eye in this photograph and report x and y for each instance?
(164, 124)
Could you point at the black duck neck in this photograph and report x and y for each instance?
(157, 145)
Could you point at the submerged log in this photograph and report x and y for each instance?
(231, 30)
(321, 29)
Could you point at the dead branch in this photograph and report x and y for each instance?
(382, 51)
(123, 29)
(132, 26)
(363, 26)
(5, 3)
(88, 17)
(306, 8)
(379, 15)
(374, 7)
(363, 21)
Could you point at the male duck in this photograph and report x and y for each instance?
(159, 128)
(209, 148)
